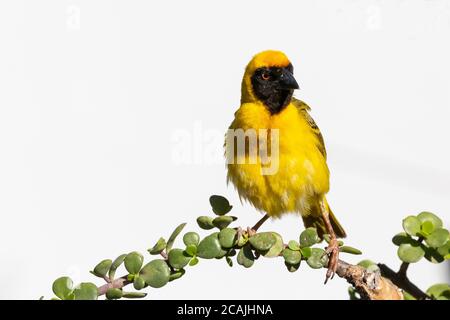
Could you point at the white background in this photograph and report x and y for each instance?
(95, 95)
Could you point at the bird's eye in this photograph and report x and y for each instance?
(265, 76)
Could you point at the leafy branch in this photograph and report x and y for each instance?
(423, 236)
(368, 280)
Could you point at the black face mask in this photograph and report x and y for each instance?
(274, 86)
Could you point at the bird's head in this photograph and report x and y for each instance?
(269, 79)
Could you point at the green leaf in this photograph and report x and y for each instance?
(427, 227)
(241, 240)
(262, 241)
(116, 264)
(373, 268)
(445, 249)
(292, 257)
(177, 274)
(134, 295)
(366, 263)
(209, 247)
(86, 291)
(276, 248)
(412, 225)
(306, 252)
(174, 235)
(191, 238)
(348, 249)
(428, 216)
(245, 256)
(220, 205)
(223, 221)
(439, 291)
(229, 261)
(158, 247)
(353, 294)
(133, 262)
(102, 268)
(113, 294)
(438, 238)
(63, 287)
(410, 252)
(292, 267)
(138, 283)
(318, 258)
(191, 250)
(293, 245)
(178, 259)
(222, 253)
(156, 273)
(408, 296)
(193, 261)
(401, 238)
(227, 237)
(205, 222)
(309, 237)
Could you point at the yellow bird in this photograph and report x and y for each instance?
(280, 167)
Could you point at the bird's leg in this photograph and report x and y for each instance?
(252, 231)
(333, 247)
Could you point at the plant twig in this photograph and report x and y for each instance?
(117, 283)
(164, 255)
(401, 280)
(403, 269)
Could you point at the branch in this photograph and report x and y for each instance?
(369, 285)
(401, 280)
(380, 283)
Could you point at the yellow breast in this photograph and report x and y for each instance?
(301, 173)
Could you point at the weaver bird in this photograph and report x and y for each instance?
(301, 176)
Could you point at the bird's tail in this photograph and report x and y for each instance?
(315, 220)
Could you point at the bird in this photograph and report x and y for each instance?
(300, 181)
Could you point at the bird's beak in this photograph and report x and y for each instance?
(287, 80)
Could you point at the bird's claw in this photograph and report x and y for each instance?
(249, 232)
(333, 256)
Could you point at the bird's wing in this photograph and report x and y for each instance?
(303, 108)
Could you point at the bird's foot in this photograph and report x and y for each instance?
(251, 232)
(333, 256)
(247, 233)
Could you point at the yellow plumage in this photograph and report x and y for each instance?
(302, 178)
